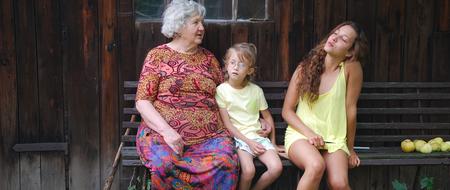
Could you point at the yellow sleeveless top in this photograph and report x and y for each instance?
(327, 117)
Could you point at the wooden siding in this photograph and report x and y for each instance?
(63, 63)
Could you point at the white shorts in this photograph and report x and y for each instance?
(265, 142)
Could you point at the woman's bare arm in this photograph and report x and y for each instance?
(289, 108)
(155, 121)
(354, 84)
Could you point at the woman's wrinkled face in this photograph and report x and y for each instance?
(341, 41)
(193, 30)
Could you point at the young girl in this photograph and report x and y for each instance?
(320, 108)
(240, 103)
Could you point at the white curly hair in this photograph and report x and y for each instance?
(177, 13)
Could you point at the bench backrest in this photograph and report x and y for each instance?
(388, 112)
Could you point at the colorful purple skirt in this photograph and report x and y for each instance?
(212, 164)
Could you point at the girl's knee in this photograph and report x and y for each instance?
(338, 184)
(247, 172)
(275, 168)
(316, 167)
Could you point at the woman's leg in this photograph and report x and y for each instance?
(337, 169)
(307, 157)
(273, 163)
(247, 169)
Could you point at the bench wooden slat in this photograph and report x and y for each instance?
(395, 138)
(133, 125)
(273, 84)
(404, 96)
(128, 138)
(360, 126)
(371, 96)
(404, 162)
(358, 138)
(375, 126)
(130, 111)
(367, 158)
(284, 84)
(404, 111)
(129, 97)
(130, 84)
(406, 85)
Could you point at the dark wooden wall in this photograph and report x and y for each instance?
(409, 41)
(407, 37)
(59, 83)
(62, 64)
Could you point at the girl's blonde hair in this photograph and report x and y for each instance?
(246, 52)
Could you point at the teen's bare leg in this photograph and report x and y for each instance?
(337, 170)
(308, 158)
(272, 161)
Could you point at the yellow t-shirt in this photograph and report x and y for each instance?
(243, 106)
(327, 117)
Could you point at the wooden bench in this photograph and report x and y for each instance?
(388, 112)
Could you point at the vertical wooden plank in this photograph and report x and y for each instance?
(439, 173)
(224, 41)
(127, 58)
(388, 40)
(419, 22)
(217, 39)
(109, 99)
(283, 46)
(302, 31)
(126, 40)
(239, 33)
(211, 38)
(443, 15)
(327, 14)
(51, 116)
(28, 93)
(379, 178)
(262, 35)
(359, 177)
(419, 25)
(407, 175)
(81, 92)
(9, 160)
(440, 57)
(363, 12)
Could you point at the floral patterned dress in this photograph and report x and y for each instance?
(182, 87)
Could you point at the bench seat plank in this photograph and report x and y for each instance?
(375, 156)
(360, 126)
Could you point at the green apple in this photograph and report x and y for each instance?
(418, 144)
(407, 146)
(435, 146)
(445, 147)
(426, 148)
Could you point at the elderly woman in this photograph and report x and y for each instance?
(182, 139)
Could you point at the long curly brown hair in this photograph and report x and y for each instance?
(313, 66)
